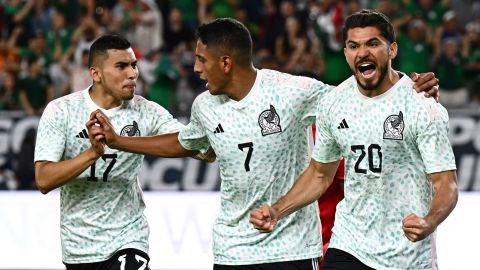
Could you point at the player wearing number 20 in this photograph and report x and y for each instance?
(103, 225)
(400, 172)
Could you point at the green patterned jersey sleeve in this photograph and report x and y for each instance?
(326, 148)
(51, 137)
(161, 121)
(432, 139)
(314, 94)
(193, 136)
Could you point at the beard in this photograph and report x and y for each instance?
(369, 86)
(129, 97)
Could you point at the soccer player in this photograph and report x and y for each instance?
(258, 123)
(103, 225)
(400, 179)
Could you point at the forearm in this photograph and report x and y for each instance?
(309, 187)
(23, 12)
(51, 175)
(165, 145)
(445, 199)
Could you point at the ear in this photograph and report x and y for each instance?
(392, 50)
(95, 74)
(227, 63)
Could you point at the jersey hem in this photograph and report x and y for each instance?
(186, 146)
(358, 257)
(441, 169)
(371, 264)
(270, 260)
(142, 248)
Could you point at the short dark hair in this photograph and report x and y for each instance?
(365, 18)
(103, 44)
(227, 35)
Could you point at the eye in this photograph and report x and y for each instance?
(352, 46)
(374, 43)
(121, 66)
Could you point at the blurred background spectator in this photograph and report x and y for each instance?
(34, 88)
(414, 48)
(8, 100)
(471, 54)
(44, 45)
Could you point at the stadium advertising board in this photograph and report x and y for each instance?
(186, 174)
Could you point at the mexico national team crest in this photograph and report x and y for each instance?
(393, 127)
(130, 130)
(269, 121)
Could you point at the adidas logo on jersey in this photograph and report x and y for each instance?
(343, 124)
(82, 134)
(219, 129)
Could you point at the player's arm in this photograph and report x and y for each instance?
(426, 82)
(165, 145)
(309, 187)
(446, 194)
(51, 175)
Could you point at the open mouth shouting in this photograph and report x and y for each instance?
(366, 70)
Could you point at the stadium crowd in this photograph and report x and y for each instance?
(44, 46)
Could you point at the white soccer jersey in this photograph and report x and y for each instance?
(390, 143)
(102, 209)
(261, 144)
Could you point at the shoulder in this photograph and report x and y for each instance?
(205, 96)
(287, 80)
(342, 91)
(144, 105)
(434, 110)
(207, 99)
(426, 106)
(63, 104)
(347, 84)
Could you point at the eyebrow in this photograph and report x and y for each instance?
(368, 41)
(126, 62)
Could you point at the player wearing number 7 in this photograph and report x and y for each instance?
(103, 225)
(257, 121)
(400, 173)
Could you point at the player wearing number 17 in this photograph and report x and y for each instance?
(400, 179)
(103, 225)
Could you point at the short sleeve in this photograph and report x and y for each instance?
(51, 135)
(193, 136)
(163, 122)
(314, 94)
(433, 142)
(326, 149)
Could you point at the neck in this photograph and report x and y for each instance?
(241, 83)
(102, 99)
